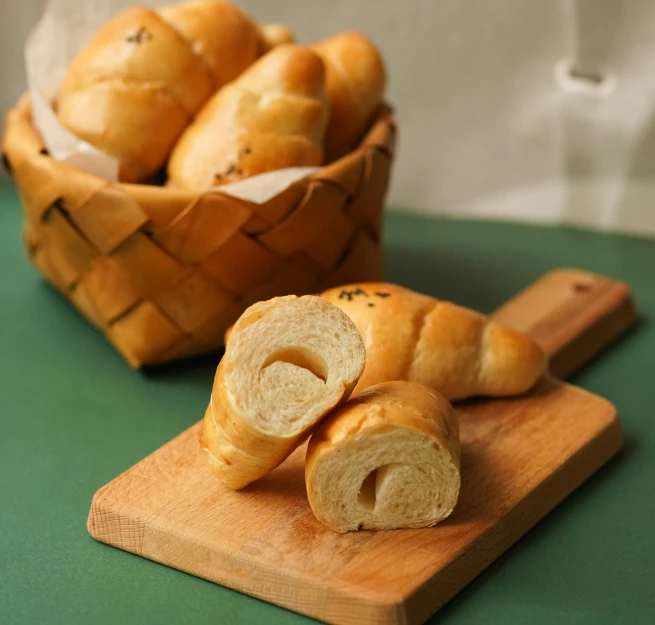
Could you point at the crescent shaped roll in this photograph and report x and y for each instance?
(288, 362)
(454, 350)
(145, 74)
(271, 117)
(355, 83)
(388, 459)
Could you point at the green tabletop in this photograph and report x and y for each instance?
(73, 416)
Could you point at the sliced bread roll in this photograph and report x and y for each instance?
(387, 459)
(287, 363)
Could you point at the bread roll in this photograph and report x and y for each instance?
(273, 116)
(220, 33)
(356, 80)
(144, 75)
(288, 362)
(387, 459)
(457, 351)
(272, 35)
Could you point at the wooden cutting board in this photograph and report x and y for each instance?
(520, 458)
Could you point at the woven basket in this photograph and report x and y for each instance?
(163, 273)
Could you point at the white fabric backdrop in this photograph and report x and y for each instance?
(491, 122)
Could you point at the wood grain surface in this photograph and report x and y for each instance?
(520, 458)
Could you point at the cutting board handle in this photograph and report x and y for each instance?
(572, 314)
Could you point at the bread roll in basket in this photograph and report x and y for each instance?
(163, 272)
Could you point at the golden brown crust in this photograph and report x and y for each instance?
(272, 35)
(455, 350)
(399, 403)
(222, 455)
(138, 45)
(219, 32)
(389, 318)
(98, 115)
(273, 116)
(356, 80)
(289, 70)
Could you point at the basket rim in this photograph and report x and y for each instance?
(19, 120)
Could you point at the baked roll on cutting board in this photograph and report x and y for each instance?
(287, 363)
(388, 459)
(355, 82)
(271, 117)
(455, 350)
(145, 74)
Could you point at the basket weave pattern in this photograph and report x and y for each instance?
(163, 273)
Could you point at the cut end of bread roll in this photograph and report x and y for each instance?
(291, 359)
(287, 363)
(388, 459)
